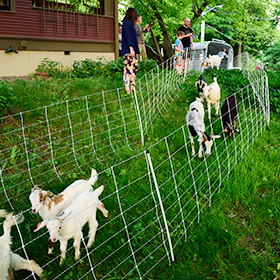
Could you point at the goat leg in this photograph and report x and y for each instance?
(63, 247)
(50, 250)
(17, 263)
(200, 150)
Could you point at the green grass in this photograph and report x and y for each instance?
(131, 195)
(238, 237)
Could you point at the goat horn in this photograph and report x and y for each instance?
(205, 137)
(229, 125)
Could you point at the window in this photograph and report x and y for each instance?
(7, 6)
(85, 6)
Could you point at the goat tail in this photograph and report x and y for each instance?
(3, 213)
(93, 178)
(215, 79)
(11, 221)
(99, 190)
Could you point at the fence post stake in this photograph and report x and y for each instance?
(161, 205)
(139, 117)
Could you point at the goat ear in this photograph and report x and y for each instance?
(40, 225)
(49, 193)
(63, 217)
(216, 136)
(35, 188)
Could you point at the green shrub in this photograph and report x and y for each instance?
(88, 68)
(274, 90)
(6, 91)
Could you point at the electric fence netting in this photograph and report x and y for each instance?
(151, 211)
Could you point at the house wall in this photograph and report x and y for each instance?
(59, 36)
(25, 62)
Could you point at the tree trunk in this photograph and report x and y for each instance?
(167, 43)
(156, 44)
(198, 10)
(151, 53)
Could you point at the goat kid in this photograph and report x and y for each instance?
(81, 211)
(229, 112)
(8, 260)
(201, 83)
(213, 60)
(212, 94)
(196, 127)
(48, 205)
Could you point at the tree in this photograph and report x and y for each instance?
(272, 57)
(247, 22)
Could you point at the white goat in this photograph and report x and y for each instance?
(8, 260)
(212, 61)
(212, 94)
(81, 211)
(48, 205)
(196, 127)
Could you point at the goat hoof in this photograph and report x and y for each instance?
(49, 256)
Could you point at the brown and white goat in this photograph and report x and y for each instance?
(70, 222)
(48, 205)
(213, 60)
(212, 94)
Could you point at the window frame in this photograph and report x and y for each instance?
(10, 8)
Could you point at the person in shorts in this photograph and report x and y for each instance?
(179, 50)
(187, 41)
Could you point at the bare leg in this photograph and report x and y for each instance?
(186, 62)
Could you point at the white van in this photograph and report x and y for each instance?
(203, 50)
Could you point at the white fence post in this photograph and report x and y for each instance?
(161, 205)
(139, 117)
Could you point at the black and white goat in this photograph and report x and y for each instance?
(8, 260)
(196, 127)
(229, 112)
(201, 83)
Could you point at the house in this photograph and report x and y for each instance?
(60, 30)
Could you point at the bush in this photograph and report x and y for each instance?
(274, 90)
(6, 90)
(88, 68)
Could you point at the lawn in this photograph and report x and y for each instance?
(236, 237)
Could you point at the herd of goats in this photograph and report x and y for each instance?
(65, 214)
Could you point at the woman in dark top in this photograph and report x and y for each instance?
(130, 49)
